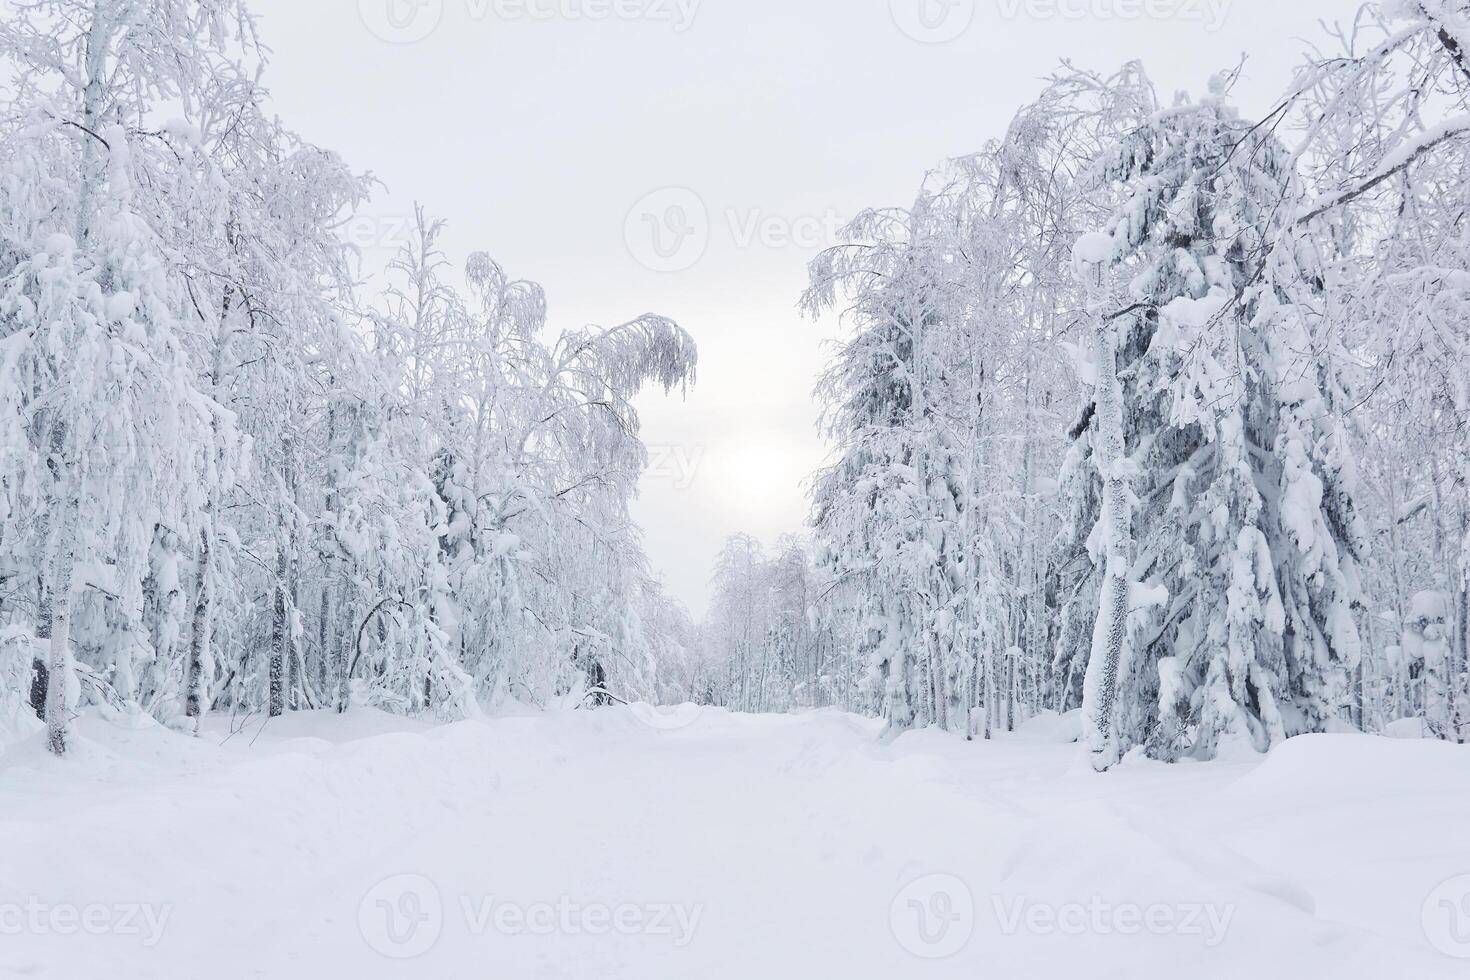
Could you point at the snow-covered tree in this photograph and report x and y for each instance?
(224, 485)
(1245, 512)
(108, 434)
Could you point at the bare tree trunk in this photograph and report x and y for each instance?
(1403, 697)
(59, 666)
(1110, 634)
(989, 674)
(972, 650)
(196, 673)
(935, 685)
(40, 673)
(1460, 660)
(1444, 696)
(279, 640)
(334, 651)
(296, 665)
(1011, 688)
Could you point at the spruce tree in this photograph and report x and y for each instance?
(1243, 494)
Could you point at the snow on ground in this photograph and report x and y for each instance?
(647, 844)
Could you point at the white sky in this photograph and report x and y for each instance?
(539, 138)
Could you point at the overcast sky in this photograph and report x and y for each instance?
(688, 157)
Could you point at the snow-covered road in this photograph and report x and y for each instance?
(615, 844)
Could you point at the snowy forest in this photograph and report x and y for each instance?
(1254, 521)
(1127, 633)
(1146, 408)
(233, 480)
